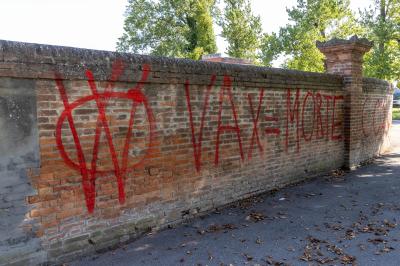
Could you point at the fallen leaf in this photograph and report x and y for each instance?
(350, 234)
(376, 241)
(229, 226)
(337, 172)
(388, 224)
(325, 260)
(214, 228)
(335, 249)
(255, 216)
(387, 249)
(307, 254)
(270, 261)
(248, 257)
(336, 227)
(347, 259)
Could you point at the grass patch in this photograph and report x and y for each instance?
(396, 114)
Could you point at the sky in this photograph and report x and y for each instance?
(97, 24)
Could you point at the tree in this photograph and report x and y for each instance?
(202, 37)
(270, 48)
(241, 29)
(382, 24)
(177, 28)
(310, 21)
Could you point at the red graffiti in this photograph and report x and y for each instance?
(223, 128)
(255, 118)
(377, 103)
(312, 103)
(380, 107)
(308, 138)
(362, 118)
(273, 130)
(328, 99)
(294, 109)
(336, 124)
(292, 115)
(197, 143)
(318, 105)
(136, 96)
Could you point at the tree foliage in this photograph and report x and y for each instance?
(184, 28)
(382, 25)
(310, 21)
(241, 29)
(177, 28)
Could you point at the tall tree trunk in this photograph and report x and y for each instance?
(382, 15)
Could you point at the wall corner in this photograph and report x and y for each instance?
(345, 57)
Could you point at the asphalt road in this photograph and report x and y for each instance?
(339, 219)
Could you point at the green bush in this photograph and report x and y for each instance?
(396, 114)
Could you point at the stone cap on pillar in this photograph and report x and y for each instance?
(344, 56)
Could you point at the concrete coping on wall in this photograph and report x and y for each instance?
(378, 85)
(22, 59)
(336, 44)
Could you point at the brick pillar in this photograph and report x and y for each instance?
(345, 57)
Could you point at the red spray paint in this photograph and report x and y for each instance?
(227, 86)
(197, 143)
(255, 118)
(136, 96)
(292, 116)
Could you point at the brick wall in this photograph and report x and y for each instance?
(129, 142)
(375, 117)
(367, 102)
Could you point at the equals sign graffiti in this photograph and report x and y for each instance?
(272, 130)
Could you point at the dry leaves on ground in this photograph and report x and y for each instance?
(315, 248)
(255, 217)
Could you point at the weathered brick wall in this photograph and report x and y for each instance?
(367, 102)
(129, 142)
(375, 117)
(18, 152)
